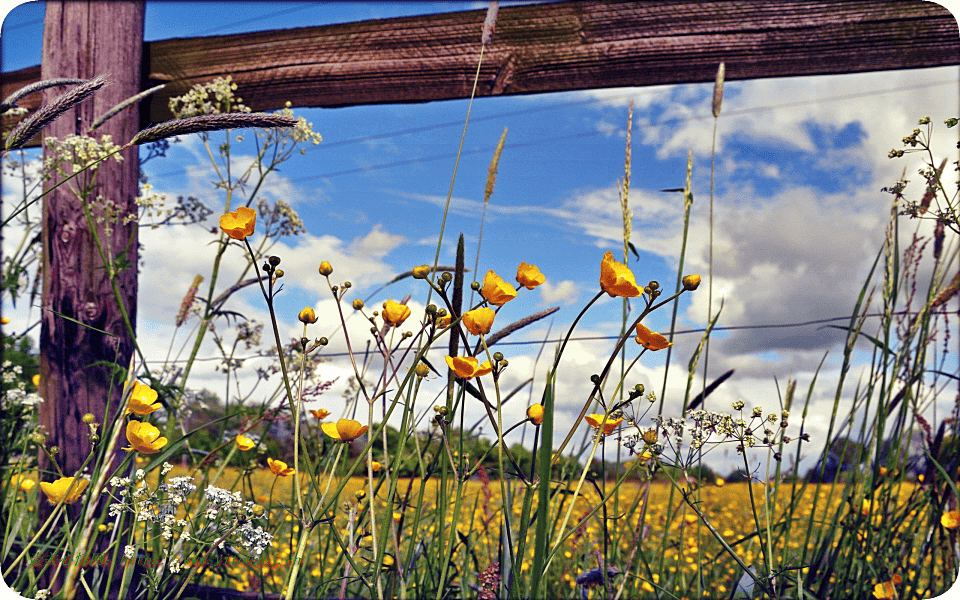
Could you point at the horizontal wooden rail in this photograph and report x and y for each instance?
(547, 48)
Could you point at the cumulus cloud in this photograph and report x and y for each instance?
(563, 292)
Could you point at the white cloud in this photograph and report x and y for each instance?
(563, 292)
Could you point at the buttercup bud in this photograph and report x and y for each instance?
(325, 269)
(347, 285)
(358, 304)
(258, 511)
(691, 282)
(308, 316)
(446, 277)
(421, 272)
(274, 261)
(278, 273)
(323, 341)
(498, 356)
(88, 418)
(422, 370)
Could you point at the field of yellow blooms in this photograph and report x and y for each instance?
(650, 519)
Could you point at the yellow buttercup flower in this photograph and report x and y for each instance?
(142, 400)
(608, 426)
(375, 466)
(395, 313)
(617, 279)
(467, 367)
(479, 320)
(239, 224)
(244, 443)
(719, 482)
(496, 290)
(950, 519)
(278, 467)
(344, 430)
(690, 282)
(22, 483)
(144, 438)
(651, 340)
(535, 413)
(307, 316)
(36, 380)
(529, 276)
(884, 590)
(320, 414)
(68, 489)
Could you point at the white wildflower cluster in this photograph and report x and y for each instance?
(702, 427)
(152, 204)
(223, 503)
(78, 151)
(109, 213)
(302, 131)
(15, 111)
(279, 219)
(16, 395)
(214, 98)
(11, 372)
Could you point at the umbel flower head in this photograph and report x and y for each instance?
(278, 467)
(395, 313)
(496, 290)
(479, 320)
(344, 430)
(240, 223)
(244, 443)
(604, 426)
(529, 276)
(617, 279)
(68, 489)
(144, 438)
(142, 400)
(651, 340)
(467, 367)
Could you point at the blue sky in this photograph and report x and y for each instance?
(799, 213)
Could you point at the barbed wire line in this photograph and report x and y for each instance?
(594, 338)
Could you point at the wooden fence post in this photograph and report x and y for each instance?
(85, 39)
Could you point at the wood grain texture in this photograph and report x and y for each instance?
(553, 47)
(84, 39)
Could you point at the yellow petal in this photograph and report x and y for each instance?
(617, 279)
(529, 276)
(479, 321)
(651, 340)
(496, 290)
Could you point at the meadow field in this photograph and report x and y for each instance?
(453, 464)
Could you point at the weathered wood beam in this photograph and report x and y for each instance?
(83, 39)
(554, 47)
